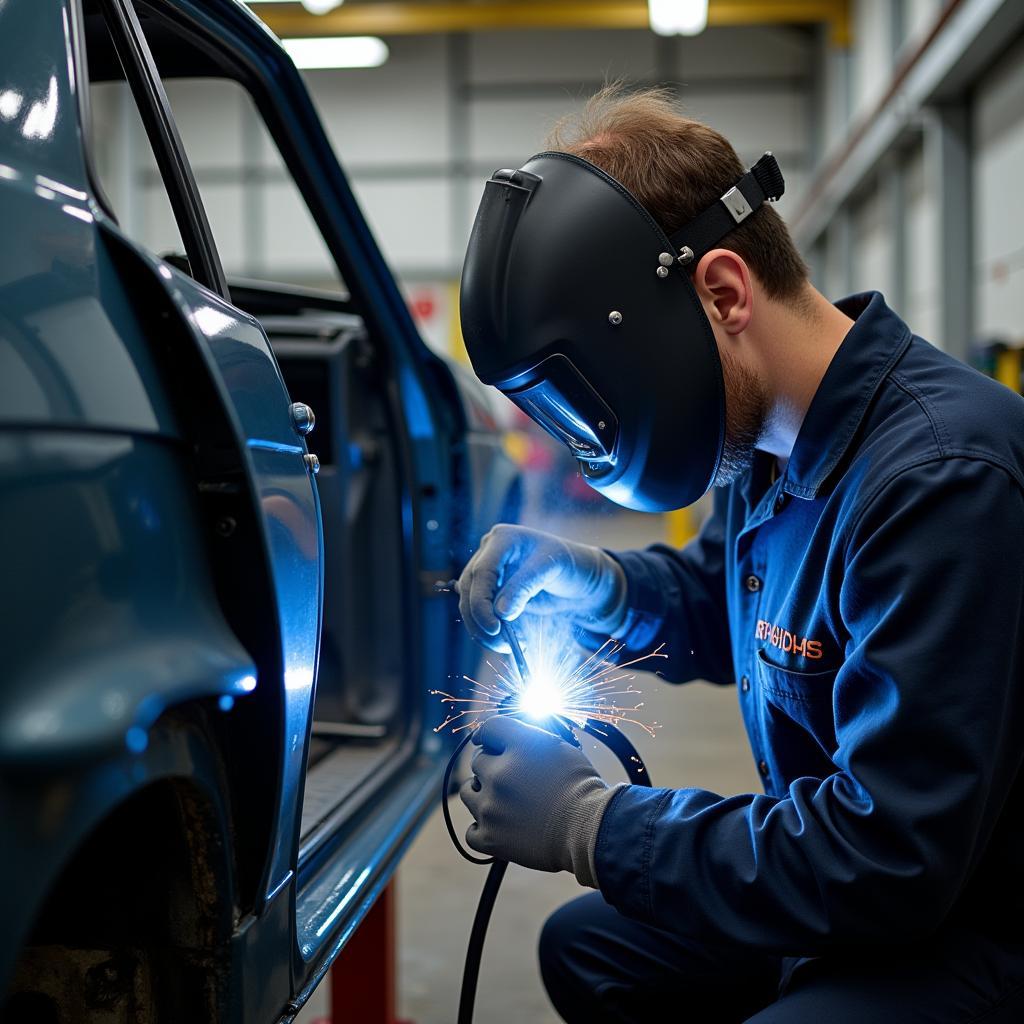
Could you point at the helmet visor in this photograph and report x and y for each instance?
(561, 401)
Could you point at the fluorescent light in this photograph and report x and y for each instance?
(337, 52)
(313, 6)
(678, 17)
(320, 6)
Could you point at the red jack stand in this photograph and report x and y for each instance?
(363, 978)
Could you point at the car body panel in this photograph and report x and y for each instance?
(238, 355)
(88, 667)
(161, 531)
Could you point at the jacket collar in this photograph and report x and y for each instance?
(868, 353)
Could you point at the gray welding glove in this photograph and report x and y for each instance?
(536, 799)
(516, 569)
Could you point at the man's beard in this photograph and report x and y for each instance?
(746, 412)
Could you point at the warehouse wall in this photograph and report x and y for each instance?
(892, 230)
(420, 135)
(998, 151)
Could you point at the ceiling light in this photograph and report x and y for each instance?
(320, 6)
(678, 17)
(337, 52)
(313, 6)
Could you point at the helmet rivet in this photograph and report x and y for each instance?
(662, 271)
(615, 318)
(665, 259)
(685, 255)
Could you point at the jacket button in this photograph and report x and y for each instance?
(753, 583)
(762, 767)
(744, 684)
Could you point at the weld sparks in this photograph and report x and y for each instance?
(597, 689)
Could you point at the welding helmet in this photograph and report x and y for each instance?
(579, 307)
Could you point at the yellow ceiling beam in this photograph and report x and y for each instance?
(410, 18)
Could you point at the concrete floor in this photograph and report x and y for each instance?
(701, 743)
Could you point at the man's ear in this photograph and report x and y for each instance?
(723, 283)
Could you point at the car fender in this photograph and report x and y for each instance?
(134, 626)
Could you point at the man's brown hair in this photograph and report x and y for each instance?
(677, 167)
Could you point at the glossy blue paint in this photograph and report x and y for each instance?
(103, 539)
(71, 353)
(240, 359)
(39, 127)
(348, 883)
(132, 627)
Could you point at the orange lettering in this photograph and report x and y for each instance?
(788, 642)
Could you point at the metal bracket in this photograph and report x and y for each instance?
(736, 203)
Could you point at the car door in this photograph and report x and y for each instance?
(388, 438)
(275, 474)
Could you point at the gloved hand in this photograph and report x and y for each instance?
(537, 800)
(515, 568)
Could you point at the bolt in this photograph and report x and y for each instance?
(303, 419)
(312, 463)
(615, 318)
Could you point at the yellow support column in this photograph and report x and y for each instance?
(680, 527)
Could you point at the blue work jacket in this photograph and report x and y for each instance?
(868, 605)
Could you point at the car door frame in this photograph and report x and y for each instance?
(175, 169)
(432, 430)
(178, 180)
(428, 402)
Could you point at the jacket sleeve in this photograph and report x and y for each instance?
(927, 709)
(677, 598)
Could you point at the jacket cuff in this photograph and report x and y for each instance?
(584, 821)
(622, 853)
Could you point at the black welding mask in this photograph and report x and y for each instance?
(580, 309)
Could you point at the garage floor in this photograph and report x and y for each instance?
(701, 744)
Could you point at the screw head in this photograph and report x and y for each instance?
(615, 318)
(662, 271)
(312, 463)
(302, 416)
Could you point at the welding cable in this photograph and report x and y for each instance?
(475, 949)
(619, 744)
(456, 842)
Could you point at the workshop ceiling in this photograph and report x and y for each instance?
(417, 17)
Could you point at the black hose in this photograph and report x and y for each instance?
(474, 951)
(456, 842)
(619, 744)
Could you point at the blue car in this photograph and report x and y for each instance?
(219, 629)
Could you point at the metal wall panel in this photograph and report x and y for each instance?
(998, 156)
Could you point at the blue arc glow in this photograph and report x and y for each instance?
(561, 682)
(541, 697)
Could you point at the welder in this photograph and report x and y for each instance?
(860, 581)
